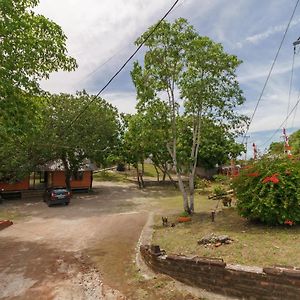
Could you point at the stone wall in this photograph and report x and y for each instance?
(216, 276)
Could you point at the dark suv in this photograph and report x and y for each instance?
(57, 195)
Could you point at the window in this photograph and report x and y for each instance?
(77, 175)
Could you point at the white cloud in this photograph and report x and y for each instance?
(260, 71)
(125, 102)
(96, 31)
(259, 37)
(273, 107)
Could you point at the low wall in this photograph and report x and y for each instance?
(216, 276)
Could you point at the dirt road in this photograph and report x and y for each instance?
(82, 251)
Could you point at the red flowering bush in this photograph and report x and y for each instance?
(269, 191)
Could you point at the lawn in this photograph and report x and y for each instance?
(110, 176)
(254, 244)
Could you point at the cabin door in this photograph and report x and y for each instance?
(38, 180)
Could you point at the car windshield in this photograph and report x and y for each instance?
(60, 191)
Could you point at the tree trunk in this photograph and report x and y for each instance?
(68, 172)
(186, 205)
(157, 172)
(138, 175)
(191, 192)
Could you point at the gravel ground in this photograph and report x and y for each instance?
(86, 250)
(44, 255)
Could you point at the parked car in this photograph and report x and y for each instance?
(57, 195)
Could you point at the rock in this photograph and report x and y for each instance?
(223, 238)
(218, 244)
(214, 239)
(207, 239)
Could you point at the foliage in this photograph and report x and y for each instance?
(184, 214)
(295, 142)
(31, 47)
(193, 79)
(219, 191)
(269, 191)
(276, 148)
(218, 145)
(145, 136)
(94, 135)
(223, 179)
(202, 183)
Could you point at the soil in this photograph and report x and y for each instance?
(82, 251)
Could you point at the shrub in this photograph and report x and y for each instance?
(184, 214)
(202, 183)
(223, 179)
(269, 191)
(219, 191)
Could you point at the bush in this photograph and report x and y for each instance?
(269, 191)
(219, 191)
(202, 183)
(220, 178)
(184, 214)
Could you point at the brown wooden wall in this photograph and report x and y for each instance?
(17, 186)
(58, 179)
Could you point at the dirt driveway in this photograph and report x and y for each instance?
(82, 251)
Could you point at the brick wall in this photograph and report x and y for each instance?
(216, 276)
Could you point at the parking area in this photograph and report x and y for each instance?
(53, 253)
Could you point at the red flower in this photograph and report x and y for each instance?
(289, 222)
(272, 178)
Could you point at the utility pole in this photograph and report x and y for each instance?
(254, 151)
(286, 145)
(246, 145)
(296, 43)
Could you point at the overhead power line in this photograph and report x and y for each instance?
(100, 66)
(280, 127)
(124, 64)
(271, 69)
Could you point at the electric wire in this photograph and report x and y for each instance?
(123, 66)
(120, 50)
(119, 70)
(271, 69)
(280, 127)
(291, 84)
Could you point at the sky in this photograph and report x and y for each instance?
(101, 37)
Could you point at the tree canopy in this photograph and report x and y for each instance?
(94, 135)
(31, 47)
(195, 78)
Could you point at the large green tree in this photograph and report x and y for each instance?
(196, 78)
(31, 47)
(94, 135)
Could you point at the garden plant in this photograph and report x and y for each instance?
(269, 191)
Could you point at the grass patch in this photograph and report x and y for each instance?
(149, 170)
(110, 176)
(254, 244)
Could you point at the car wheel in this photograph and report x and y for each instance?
(67, 203)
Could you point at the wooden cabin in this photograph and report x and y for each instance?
(52, 175)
